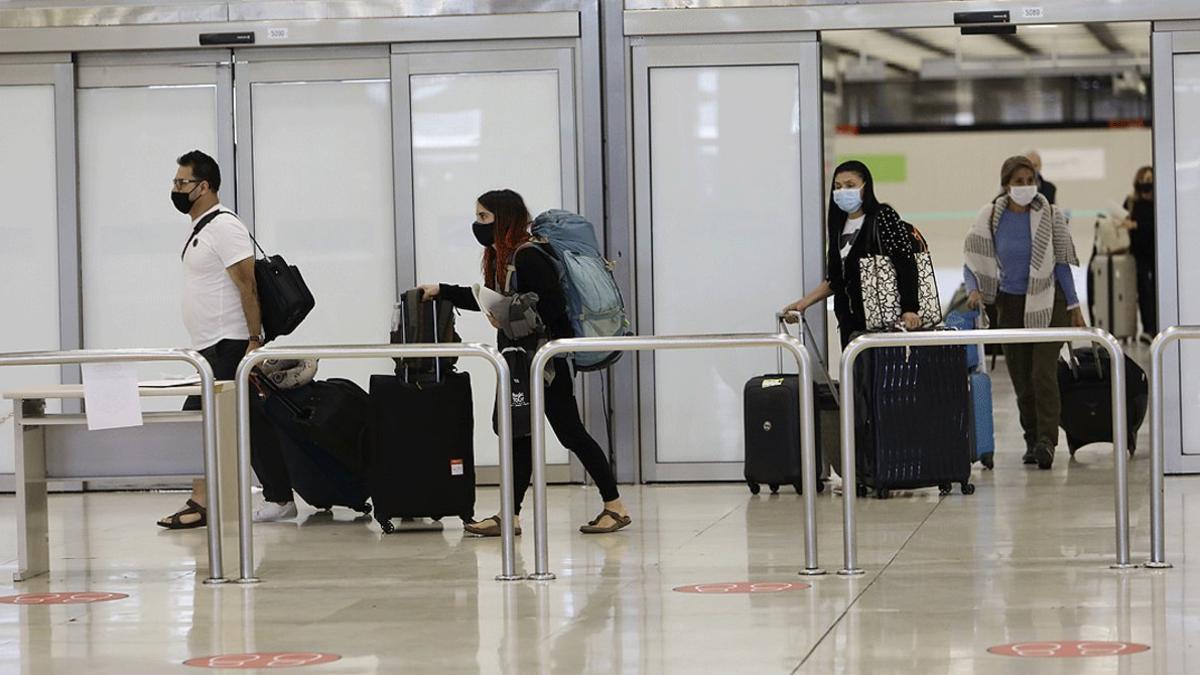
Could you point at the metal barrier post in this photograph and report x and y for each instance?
(503, 426)
(1158, 349)
(967, 337)
(208, 418)
(537, 408)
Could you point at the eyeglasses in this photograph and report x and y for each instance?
(180, 182)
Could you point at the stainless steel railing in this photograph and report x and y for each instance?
(971, 337)
(653, 343)
(208, 402)
(504, 430)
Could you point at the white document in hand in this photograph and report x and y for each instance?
(489, 301)
(110, 392)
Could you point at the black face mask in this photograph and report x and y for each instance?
(1145, 188)
(182, 200)
(484, 234)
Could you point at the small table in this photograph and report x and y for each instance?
(31, 420)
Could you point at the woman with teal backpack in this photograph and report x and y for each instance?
(513, 259)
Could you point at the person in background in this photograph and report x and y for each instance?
(1019, 255)
(1140, 223)
(1045, 188)
(222, 316)
(855, 219)
(501, 227)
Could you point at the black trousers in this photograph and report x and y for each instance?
(265, 454)
(563, 414)
(1147, 291)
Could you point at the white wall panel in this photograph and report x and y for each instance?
(471, 133)
(29, 236)
(725, 176)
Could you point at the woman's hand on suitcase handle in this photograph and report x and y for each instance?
(791, 313)
(974, 300)
(429, 291)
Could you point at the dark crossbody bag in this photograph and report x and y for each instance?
(283, 297)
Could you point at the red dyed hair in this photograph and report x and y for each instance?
(511, 230)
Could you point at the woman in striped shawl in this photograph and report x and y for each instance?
(1019, 254)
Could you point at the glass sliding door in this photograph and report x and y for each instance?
(725, 139)
(315, 171)
(36, 133)
(1176, 65)
(479, 121)
(137, 115)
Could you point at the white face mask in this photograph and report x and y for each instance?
(1023, 194)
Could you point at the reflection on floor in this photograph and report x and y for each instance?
(1023, 560)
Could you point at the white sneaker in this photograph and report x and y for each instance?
(271, 512)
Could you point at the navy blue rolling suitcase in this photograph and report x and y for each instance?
(914, 429)
(318, 474)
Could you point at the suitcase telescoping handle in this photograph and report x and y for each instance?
(420, 297)
(780, 319)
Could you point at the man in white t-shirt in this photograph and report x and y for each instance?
(221, 313)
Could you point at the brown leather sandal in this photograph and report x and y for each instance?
(619, 522)
(492, 530)
(175, 520)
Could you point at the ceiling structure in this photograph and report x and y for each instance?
(941, 53)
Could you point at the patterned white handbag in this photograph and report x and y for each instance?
(881, 290)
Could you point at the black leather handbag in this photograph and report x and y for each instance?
(283, 297)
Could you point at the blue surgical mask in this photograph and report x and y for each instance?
(848, 199)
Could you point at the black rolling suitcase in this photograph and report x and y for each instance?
(1085, 387)
(772, 431)
(422, 434)
(914, 424)
(321, 430)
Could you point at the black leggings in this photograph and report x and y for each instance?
(266, 456)
(563, 413)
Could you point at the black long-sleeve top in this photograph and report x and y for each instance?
(896, 241)
(1141, 238)
(536, 273)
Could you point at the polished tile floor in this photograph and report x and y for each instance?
(1025, 559)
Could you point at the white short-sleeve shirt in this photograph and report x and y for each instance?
(212, 306)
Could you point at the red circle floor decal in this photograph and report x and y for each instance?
(743, 587)
(1069, 649)
(263, 660)
(60, 598)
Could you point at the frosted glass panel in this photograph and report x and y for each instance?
(471, 134)
(323, 199)
(129, 138)
(1187, 187)
(29, 232)
(725, 172)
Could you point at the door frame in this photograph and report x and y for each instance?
(1169, 40)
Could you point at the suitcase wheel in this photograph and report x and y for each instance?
(799, 487)
(754, 488)
(968, 488)
(945, 489)
(988, 460)
(862, 491)
(386, 525)
(883, 493)
(774, 489)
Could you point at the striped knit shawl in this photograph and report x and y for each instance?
(1052, 244)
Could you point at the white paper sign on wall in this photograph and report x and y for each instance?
(1073, 164)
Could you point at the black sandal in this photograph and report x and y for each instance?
(175, 520)
(474, 528)
(619, 522)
